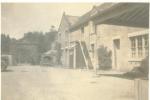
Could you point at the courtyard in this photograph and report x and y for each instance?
(27, 82)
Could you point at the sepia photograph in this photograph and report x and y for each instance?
(75, 51)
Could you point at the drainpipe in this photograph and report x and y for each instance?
(68, 53)
(96, 54)
(74, 58)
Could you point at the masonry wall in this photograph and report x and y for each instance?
(85, 35)
(63, 39)
(106, 33)
(63, 35)
(75, 35)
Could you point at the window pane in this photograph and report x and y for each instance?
(140, 51)
(82, 30)
(92, 47)
(146, 44)
(133, 47)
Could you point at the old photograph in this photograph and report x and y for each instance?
(75, 51)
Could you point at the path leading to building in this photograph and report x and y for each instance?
(48, 83)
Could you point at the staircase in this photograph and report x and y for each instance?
(86, 55)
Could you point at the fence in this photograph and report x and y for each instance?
(141, 89)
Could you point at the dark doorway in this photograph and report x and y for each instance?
(116, 43)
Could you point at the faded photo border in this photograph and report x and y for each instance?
(72, 1)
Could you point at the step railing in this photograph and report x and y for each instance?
(86, 55)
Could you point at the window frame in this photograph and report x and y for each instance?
(139, 46)
(82, 30)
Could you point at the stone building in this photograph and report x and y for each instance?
(63, 37)
(52, 56)
(49, 58)
(120, 28)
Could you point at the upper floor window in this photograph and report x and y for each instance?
(82, 29)
(93, 27)
(92, 49)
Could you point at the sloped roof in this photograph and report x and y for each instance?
(71, 19)
(95, 10)
(107, 9)
(104, 6)
(138, 16)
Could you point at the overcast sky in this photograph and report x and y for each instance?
(19, 18)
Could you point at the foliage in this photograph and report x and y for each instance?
(141, 71)
(41, 40)
(104, 58)
(5, 39)
(144, 67)
(59, 52)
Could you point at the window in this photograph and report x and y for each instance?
(94, 28)
(140, 51)
(139, 46)
(82, 29)
(92, 47)
(146, 44)
(133, 47)
(117, 43)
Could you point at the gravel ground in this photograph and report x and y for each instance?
(49, 83)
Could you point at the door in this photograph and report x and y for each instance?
(71, 59)
(116, 43)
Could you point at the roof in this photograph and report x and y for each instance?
(106, 11)
(138, 17)
(104, 6)
(71, 19)
(94, 10)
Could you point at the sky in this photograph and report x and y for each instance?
(19, 18)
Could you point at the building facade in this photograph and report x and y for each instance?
(63, 37)
(120, 30)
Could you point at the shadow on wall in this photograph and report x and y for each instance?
(104, 58)
(141, 71)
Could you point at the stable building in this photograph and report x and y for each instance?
(120, 28)
(63, 37)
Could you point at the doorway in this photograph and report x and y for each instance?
(71, 55)
(116, 43)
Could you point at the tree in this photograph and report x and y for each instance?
(42, 41)
(104, 58)
(5, 44)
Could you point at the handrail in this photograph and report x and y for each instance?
(86, 62)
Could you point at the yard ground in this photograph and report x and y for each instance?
(49, 83)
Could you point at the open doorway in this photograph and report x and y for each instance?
(116, 43)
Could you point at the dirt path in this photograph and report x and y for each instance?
(46, 83)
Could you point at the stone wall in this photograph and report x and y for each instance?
(108, 33)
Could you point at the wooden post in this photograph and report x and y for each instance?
(136, 46)
(74, 57)
(143, 47)
(86, 62)
(141, 89)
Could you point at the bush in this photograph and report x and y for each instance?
(141, 71)
(104, 58)
(144, 67)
